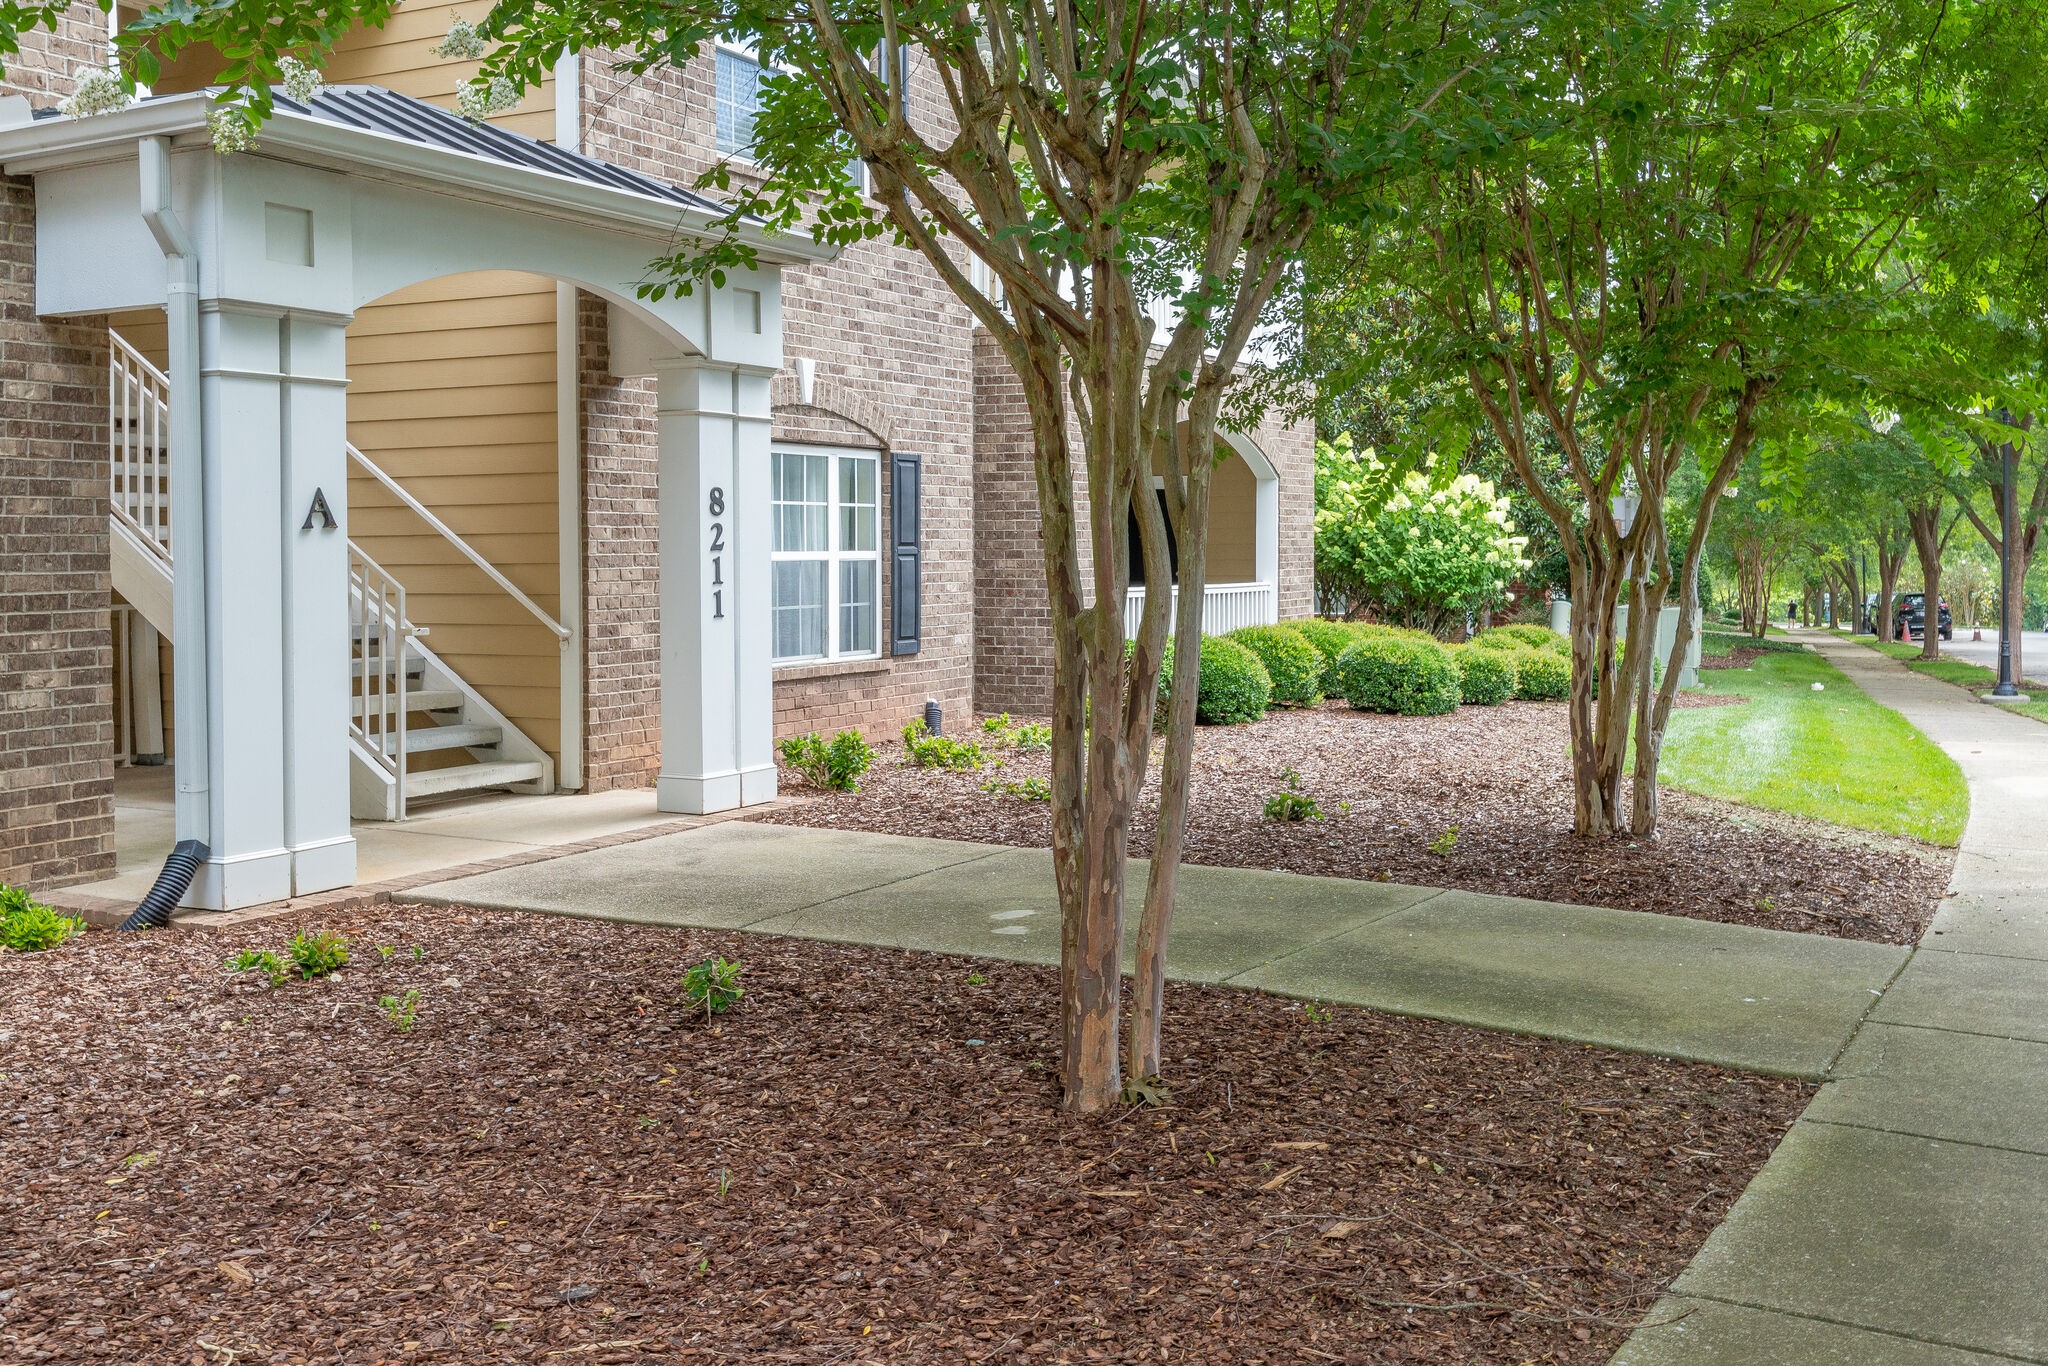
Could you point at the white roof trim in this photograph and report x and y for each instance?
(59, 143)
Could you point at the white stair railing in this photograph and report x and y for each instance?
(462, 547)
(379, 712)
(138, 445)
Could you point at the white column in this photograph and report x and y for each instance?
(277, 623)
(717, 699)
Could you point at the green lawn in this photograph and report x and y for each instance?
(1833, 755)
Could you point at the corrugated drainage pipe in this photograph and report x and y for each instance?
(155, 911)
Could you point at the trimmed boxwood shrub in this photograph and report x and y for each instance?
(1294, 665)
(1396, 674)
(1235, 687)
(1528, 635)
(1486, 678)
(1542, 676)
(1331, 639)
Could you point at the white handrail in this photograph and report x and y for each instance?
(381, 710)
(562, 633)
(1225, 607)
(138, 445)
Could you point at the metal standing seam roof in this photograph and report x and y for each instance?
(378, 110)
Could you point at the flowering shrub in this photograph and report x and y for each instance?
(1294, 665)
(97, 92)
(301, 80)
(1399, 674)
(477, 100)
(230, 128)
(1409, 550)
(1486, 678)
(463, 42)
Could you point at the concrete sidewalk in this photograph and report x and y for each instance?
(1903, 1220)
(1764, 1000)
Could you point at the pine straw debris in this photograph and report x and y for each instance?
(862, 1162)
(1390, 787)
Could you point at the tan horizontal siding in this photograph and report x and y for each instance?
(452, 393)
(398, 57)
(148, 331)
(1233, 522)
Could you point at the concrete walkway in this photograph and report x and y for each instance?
(1764, 1000)
(1905, 1217)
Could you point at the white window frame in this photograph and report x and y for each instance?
(833, 557)
(857, 169)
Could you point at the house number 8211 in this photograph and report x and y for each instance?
(717, 506)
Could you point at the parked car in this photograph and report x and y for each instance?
(1912, 617)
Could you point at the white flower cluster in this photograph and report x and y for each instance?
(463, 42)
(485, 96)
(229, 125)
(97, 92)
(301, 80)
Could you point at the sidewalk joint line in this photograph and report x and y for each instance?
(1336, 934)
(1926, 1138)
(1859, 1327)
(1971, 1033)
(1864, 1018)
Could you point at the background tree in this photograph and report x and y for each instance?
(1693, 223)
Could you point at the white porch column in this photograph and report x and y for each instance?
(712, 496)
(273, 423)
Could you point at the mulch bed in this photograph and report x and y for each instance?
(1389, 786)
(863, 1162)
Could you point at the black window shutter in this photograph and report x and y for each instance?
(906, 562)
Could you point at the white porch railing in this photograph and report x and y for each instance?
(383, 636)
(1225, 607)
(139, 445)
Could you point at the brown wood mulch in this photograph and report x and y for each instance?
(1389, 786)
(863, 1162)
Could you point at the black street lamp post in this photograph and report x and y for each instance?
(2008, 616)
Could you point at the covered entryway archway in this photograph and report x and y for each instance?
(260, 261)
(1244, 542)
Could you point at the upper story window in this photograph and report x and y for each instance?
(826, 590)
(739, 100)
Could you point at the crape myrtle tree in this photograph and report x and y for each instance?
(1758, 533)
(1100, 158)
(1692, 225)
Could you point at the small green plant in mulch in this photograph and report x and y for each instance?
(1318, 1013)
(259, 960)
(28, 926)
(1446, 844)
(1030, 789)
(714, 985)
(835, 764)
(318, 955)
(926, 750)
(402, 1011)
(1290, 803)
(1030, 736)
(977, 979)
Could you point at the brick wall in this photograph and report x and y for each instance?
(621, 558)
(46, 69)
(1013, 654)
(56, 657)
(893, 371)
